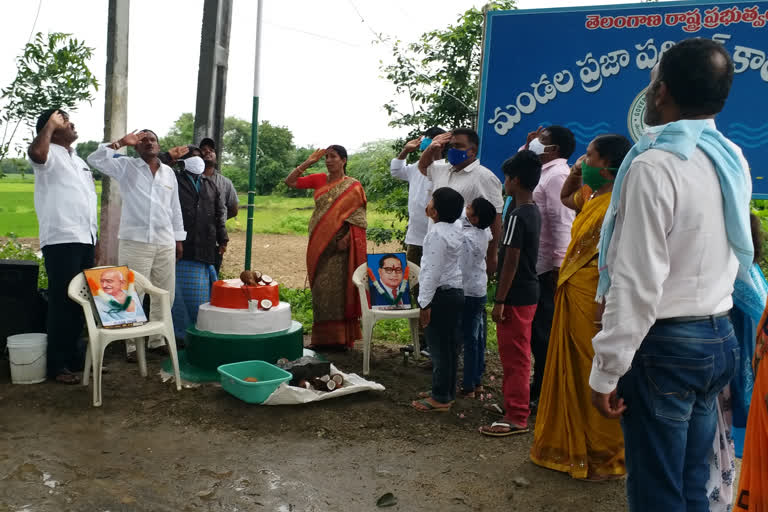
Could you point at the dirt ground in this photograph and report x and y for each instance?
(283, 257)
(150, 448)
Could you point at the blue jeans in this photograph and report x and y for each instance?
(474, 342)
(444, 334)
(669, 426)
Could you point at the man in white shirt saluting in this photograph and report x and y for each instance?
(151, 226)
(463, 173)
(673, 239)
(65, 203)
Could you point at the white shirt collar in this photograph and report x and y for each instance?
(471, 167)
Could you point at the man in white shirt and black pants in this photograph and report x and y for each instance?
(151, 225)
(65, 203)
(419, 194)
(669, 267)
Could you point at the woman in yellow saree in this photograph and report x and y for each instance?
(336, 247)
(571, 436)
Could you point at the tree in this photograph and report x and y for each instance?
(274, 156)
(52, 72)
(440, 73)
(181, 133)
(83, 149)
(370, 166)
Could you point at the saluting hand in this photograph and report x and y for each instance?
(412, 145)
(315, 156)
(576, 169)
(533, 135)
(57, 121)
(441, 140)
(178, 152)
(133, 138)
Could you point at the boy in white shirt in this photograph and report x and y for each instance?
(476, 236)
(441, 298)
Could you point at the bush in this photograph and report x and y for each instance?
(12, 249)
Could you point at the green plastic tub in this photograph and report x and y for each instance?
(233, 377)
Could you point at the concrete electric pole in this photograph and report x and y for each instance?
(115, 124)
(212, 73)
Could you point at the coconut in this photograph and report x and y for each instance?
(247, 277)
(266, 304)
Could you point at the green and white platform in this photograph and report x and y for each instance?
(205, 351)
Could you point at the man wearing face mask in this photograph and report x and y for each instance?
(204, 217)
(464, 173)
(226, 189)
(151, 225)
(554, 145)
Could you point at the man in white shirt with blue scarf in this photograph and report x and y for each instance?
(674, 237)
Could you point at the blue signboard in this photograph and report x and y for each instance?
(587, 68)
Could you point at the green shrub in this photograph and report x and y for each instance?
(12, 249)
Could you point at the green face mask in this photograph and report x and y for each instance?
(591, 176)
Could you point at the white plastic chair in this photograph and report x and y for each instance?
(371, 316)
(99, 338)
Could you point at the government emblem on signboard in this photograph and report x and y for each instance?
(636, 117)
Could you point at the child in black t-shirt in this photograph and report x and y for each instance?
(517, 293)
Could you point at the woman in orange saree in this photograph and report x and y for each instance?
(571, 436)
(753, 482)
(337, 246)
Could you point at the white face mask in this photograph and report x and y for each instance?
(194, 165)
(536, 146)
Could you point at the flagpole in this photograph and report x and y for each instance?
(254, 139)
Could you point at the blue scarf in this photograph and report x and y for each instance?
(682, 138)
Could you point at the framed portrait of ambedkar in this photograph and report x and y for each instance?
(114, 297)
(388, 281)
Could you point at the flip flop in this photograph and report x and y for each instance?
(494, 408)
(513, 429)
(603, 478)
(425, 405)
(428, 394)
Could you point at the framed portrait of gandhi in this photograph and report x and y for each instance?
(114, 296)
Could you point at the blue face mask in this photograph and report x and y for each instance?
(425, 142)
(456, 156)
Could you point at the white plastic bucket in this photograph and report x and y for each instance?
(27, 354)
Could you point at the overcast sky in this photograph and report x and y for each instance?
(320, 73)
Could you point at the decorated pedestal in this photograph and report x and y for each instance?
(241, 323)
(208, 350)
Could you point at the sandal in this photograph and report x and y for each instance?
(511, 429)
(494, 408)
(428, 394)
(67, 377)
(603, 478)
(425, 405)
(474, 393)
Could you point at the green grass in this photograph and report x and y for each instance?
(17, 205)
(272, 214)
(290, 215)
